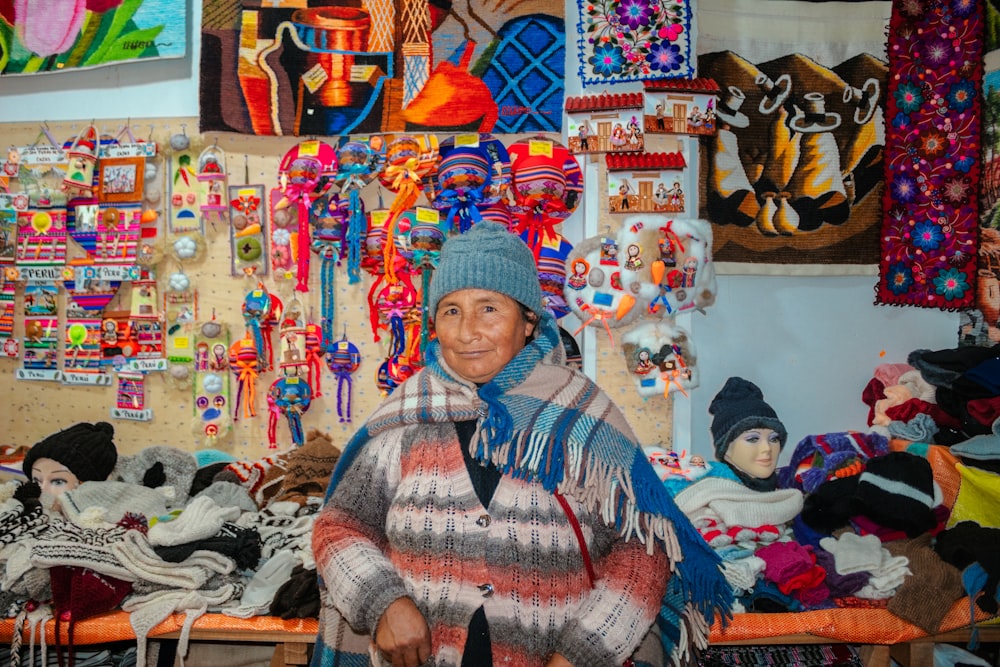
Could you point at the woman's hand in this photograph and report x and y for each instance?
(558, 661)
(402, 636)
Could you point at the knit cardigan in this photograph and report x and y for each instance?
(402, 519)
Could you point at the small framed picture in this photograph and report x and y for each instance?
(121, 179)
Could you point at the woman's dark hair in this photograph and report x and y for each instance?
(531, 317)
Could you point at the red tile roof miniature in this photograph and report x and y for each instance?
(701, 85)
(604, 102)
(624, 161)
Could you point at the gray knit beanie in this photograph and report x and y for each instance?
(739, 406)
(487, 257)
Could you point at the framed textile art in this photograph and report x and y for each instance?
(383, 66)
(121, 179)
(793, 177)
(634, 40)
(61, 35)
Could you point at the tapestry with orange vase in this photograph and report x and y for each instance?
(383, 66)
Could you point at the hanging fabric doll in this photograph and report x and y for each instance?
(257, 309)
(358, 163)
(292, 335)
(329, 219)
(315, 350)
(409, 161)
(292, 397)
(244, 362)
(343, 359)
(546, 182)
(306, 172)
(472, 178)
(425, 241)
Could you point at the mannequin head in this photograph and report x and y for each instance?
(746, 432)
(81, 453)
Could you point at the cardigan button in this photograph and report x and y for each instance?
(486, 589)
(483, 521)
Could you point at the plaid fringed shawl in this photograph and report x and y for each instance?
(544, 421)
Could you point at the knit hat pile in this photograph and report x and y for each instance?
(982, 451)
(738, 407)
(159, 466)
(819, 458)
(491, 258)
(93, 504)
(896, 490)
(309, 469)
(87, 450)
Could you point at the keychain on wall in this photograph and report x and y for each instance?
(41, 332)
(211, 390)
(79, 179)
(85, 302)
(248, 232)
(212, 184)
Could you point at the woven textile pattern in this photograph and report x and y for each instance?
(382, 66)
(634, 40)
(932, 165)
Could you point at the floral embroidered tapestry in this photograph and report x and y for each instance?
(56, 35)
(930, 228)
(634, 40)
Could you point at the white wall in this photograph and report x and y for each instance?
(810, 343)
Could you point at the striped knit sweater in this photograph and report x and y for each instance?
(406, 521)
(402, 518)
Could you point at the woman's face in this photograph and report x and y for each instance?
(479, 332)
(53, 477)
(755, 452)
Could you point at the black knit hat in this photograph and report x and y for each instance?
(738, 407)
(87, 450)
(897, 490)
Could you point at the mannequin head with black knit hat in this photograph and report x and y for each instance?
(81, 453)
(747, 434)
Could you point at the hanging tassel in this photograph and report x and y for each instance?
(357, 229)
(425, 328)
(272, 422)
(405, 181)
(302, 268)
(344, 382)
(295, 426)
(328, 298)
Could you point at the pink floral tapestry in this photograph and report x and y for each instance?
(929, 238)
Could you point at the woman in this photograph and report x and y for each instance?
(443, 536)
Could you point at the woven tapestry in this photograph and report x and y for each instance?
(634, 40)
(792, 181)
(383, 66)
(981, 324)
(930, 229)
(56, 35)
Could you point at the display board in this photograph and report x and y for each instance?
(33, 408)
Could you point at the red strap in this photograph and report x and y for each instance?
(579, 536)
